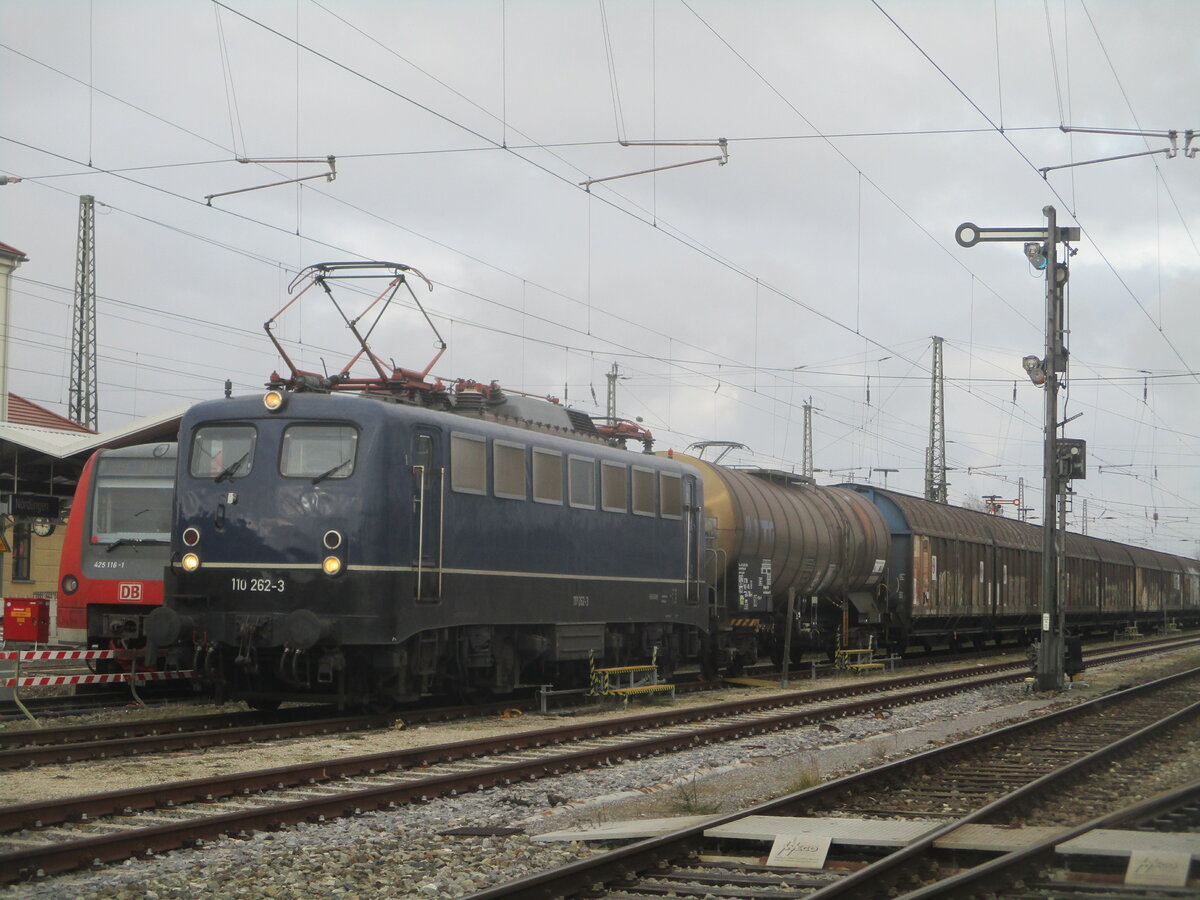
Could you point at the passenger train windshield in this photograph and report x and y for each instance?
(133, 500)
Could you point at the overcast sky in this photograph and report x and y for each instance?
(818, 262)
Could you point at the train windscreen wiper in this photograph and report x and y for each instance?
(232, 468)
(121, 542)
(318, 479)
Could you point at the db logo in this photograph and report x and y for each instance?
(129, 591)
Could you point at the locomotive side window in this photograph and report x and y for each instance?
(614, 487)
(583, 482)
(423, 451)
(318, 451)
(132, 499)
(222, 452)
(670, 489)
(468, 464)
(508, 470)
(547, 476)
(643, 491)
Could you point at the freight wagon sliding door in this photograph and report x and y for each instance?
(427, 513)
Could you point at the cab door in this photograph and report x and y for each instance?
(428, 499)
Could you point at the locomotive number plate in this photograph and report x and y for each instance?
(258, 585)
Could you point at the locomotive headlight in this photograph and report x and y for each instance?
(331, 565)
(191, 536)
(273, 401)
(70, 584)
(190, 562)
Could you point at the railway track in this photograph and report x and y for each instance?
(77, 743)
(56, 836)
(1055, 867)
(950, 807)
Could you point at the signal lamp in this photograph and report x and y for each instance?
(1037, 254)
(273, 401)
(190, 562)
(1034, 369)
(331, 565)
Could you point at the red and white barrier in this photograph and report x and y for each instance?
(132, 678)
(112, 678)
(49, 655)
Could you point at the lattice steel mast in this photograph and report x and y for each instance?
(935, 453)
(808, 454)
(82, 397)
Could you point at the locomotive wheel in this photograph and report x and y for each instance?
(379, 706)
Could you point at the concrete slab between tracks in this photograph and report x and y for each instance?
(892, 833)
(986, 838)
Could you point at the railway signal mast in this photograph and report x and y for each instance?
(1062, 459)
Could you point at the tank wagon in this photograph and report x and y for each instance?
(773, 534)
(116, 546)
(958, 576)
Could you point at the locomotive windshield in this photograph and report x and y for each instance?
(133, 500)
(318, 452)
(222, 452)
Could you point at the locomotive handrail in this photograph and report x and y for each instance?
(420, 531)
(441, 528)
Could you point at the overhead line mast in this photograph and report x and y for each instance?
(935, 453)
(82, 405)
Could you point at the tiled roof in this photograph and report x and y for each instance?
(26, 412)
(9, 250)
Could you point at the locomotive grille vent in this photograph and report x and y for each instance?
(581, 421)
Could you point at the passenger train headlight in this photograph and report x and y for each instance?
(331, 565)
(190, 562)
(273, 401)
(191, 536)
(70, 584)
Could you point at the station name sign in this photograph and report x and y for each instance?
(33, 506)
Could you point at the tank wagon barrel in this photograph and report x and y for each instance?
(773, 534)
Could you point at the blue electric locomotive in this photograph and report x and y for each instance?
(356, 548)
